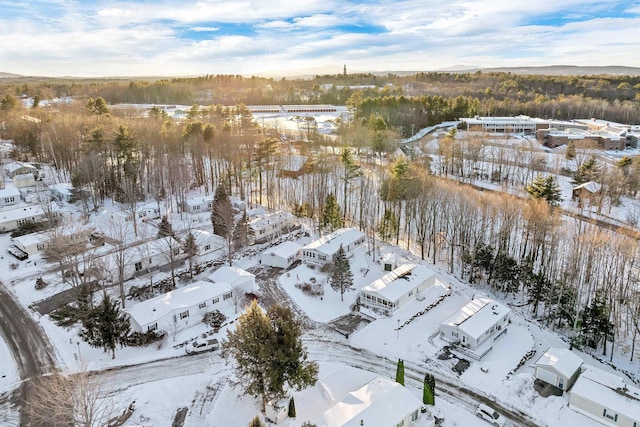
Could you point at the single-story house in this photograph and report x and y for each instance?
(606, 398)
(282, 255)
(267, 227)
(396, 288)
(140, 258)
(481, 321)
(13, 218)
(32, 244)
(322, 250)
(18, 168)
(179, 308)
(240, 280)
(148, 211)
(207, 242)
(9, 196)
(559, 367)
(199, 204)
(24, 180)
(61, 191)
(382, 403)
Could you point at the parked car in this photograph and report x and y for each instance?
(202, 344)
(489, 414)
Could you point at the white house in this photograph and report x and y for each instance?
(18, 168)
(13, 218)
(61, 191)
(321, 251)
(207, 242)
(148, 211)
(199, 204)
(381, 403)
(140, 258)
(267, 227)
(179, 308)
(282, 255)
(476, 325)
(606, 398)
(32, 244)
(396, 288)
(9, 196)
(239, 279)
(559, 367)
(24, 180)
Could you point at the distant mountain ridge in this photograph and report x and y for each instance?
(552, 70)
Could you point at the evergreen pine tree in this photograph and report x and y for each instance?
(221, 212)
(400, 372)
(331, 217)
(165, 229)
(428, 389)
(190, 249)
(591, 170)
(388, 226)
(340, 276)
(241, 232)
(545, 188)
(106, 327)
(292, 408)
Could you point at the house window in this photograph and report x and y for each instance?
(138, 266)
(184, 314)
(610, 415)
(414, 415)
(202, 305)
(400, 424)
(216, 300)
(40, 247)
(227, 295)
(207, 247)
(152, 327)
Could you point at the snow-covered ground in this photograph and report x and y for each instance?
(205, 386)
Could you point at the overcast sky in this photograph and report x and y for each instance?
(160, 37)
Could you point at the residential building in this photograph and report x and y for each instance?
(18, 168)
(396, 288)
(9, 196)
(61, 191)
(13, 218)
(179, 308)
(282, 255)
(559, 367)
(476, 326)
(24, 180)
(267, 227)
(380, 402)
(199, 204)
(241, 281)
(31, 244)
(606, 398)
(322, 250)
(207, 242)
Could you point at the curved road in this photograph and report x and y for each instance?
(29, 345)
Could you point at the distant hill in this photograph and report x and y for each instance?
(8, 75)
(554, 70)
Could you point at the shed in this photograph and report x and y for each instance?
(282, 255)
(559, 367)
(585, 191)
(24, 180)
(239, 279)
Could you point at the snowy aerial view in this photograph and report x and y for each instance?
(310, 214)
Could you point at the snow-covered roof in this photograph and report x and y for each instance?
(381, 402)
(62, 188)
(197, 201)
(477, 316)
(151, 310)
(9, 192)
(31, 239)
(608, 390)
(562, 360)
(330, 243)
(398, 282)
(503, 120)
(269, 218)
(284, 249)
(599, 123)
(591, 186)
(203, 237)
(230, 275)
(24, 212)
(14, 166)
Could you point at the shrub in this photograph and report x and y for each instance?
(215, 319)
(139, 339)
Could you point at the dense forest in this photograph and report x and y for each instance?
(572, 275)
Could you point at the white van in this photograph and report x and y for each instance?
(202, 344)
